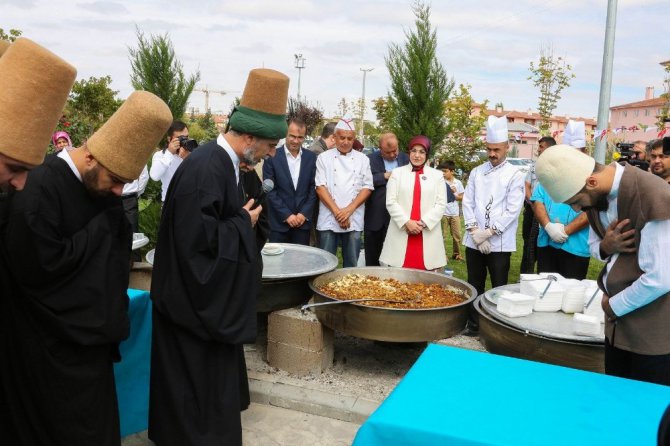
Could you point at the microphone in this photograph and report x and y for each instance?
(267, 186)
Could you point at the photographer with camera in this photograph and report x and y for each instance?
(630, 153)
(165, 162)
(659, 158)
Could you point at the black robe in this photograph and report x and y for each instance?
(204, 289)
(68, 255)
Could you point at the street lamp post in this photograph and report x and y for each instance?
(300, 65)
(362, 131)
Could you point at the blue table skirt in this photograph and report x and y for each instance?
(132, 373)
(461, 397)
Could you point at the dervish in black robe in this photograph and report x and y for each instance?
(204, 288)
(68, 258)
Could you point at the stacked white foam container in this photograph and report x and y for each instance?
(573, 299)
(515, 305)
(586, 325)
(595, 309)
(553, 298)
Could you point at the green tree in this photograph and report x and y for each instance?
(156, 69)
(93, 101)
(207, 124)
(384, 113)
(312, 115)
(463, 142)
(12, 36)
(419, 83)
(343, 107)
(551, 74)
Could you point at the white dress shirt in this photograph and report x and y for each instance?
(344, 176)
(293, 166)
(653, 257)
(220, 140)
(493, 199)
(163, 166)
(139, 185)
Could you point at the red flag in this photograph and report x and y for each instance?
(662, 133)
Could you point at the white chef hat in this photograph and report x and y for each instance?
(346, 122)
(496, 130)
(563, 171)
(575, 134)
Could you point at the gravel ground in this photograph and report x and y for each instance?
(360, 367)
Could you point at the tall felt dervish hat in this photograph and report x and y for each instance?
(125, 142)
(262, 109)
(4, 44)
(34, 85)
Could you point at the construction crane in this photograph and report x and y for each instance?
(207, 91)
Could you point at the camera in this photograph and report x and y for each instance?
(626, 155)
(187, 144)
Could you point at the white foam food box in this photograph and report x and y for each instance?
(585, 325)
(595, 309)
(515, 305)
(573, 298)
(553, 298)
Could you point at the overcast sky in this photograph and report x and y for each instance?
(485, 43)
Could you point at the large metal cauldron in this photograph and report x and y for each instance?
(512, 339)
(285, 275)
(392, 324)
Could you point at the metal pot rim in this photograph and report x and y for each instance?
(368, 270)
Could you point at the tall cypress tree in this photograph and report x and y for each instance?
(156, 69)
(419, 83)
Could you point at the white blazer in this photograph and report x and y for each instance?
(399, 197)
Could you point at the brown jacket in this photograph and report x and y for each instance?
(642, 197)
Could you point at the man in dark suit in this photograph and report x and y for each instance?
(291, 202)
(377, 217)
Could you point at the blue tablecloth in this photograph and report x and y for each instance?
(461, 397)
(132, 373)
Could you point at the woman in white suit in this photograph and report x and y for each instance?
(416, 197)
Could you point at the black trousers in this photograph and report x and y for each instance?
(497, 264)
(570, 266)
(529, 231)
(297, 236)
(625, 364)
(374, 242)
(130, 206)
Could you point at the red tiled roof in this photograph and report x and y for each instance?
(536, 116)
(655, 102)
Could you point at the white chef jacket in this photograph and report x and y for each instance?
(344, 176)
(493, 199)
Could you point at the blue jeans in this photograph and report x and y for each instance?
(350, 241)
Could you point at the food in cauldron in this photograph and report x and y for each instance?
(408, 295)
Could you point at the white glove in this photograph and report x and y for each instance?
(485, 247)
(556, 231)
(479, 236)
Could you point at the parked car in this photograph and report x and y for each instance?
(523, 164)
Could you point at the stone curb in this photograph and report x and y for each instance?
(271, 390)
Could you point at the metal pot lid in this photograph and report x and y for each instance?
(556, 325)
(297, 261)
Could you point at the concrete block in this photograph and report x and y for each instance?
(299, 361)
(293, 327)
(140, 276)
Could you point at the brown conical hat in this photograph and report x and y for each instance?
(4, 44)
(125, 142)
(262, 109)
(266, 91)
(34, 85)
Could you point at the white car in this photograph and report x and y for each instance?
(523, 164)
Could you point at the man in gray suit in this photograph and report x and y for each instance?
(382, 162)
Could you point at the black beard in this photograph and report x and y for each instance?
(601, 204)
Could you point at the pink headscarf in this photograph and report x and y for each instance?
(59, 135)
